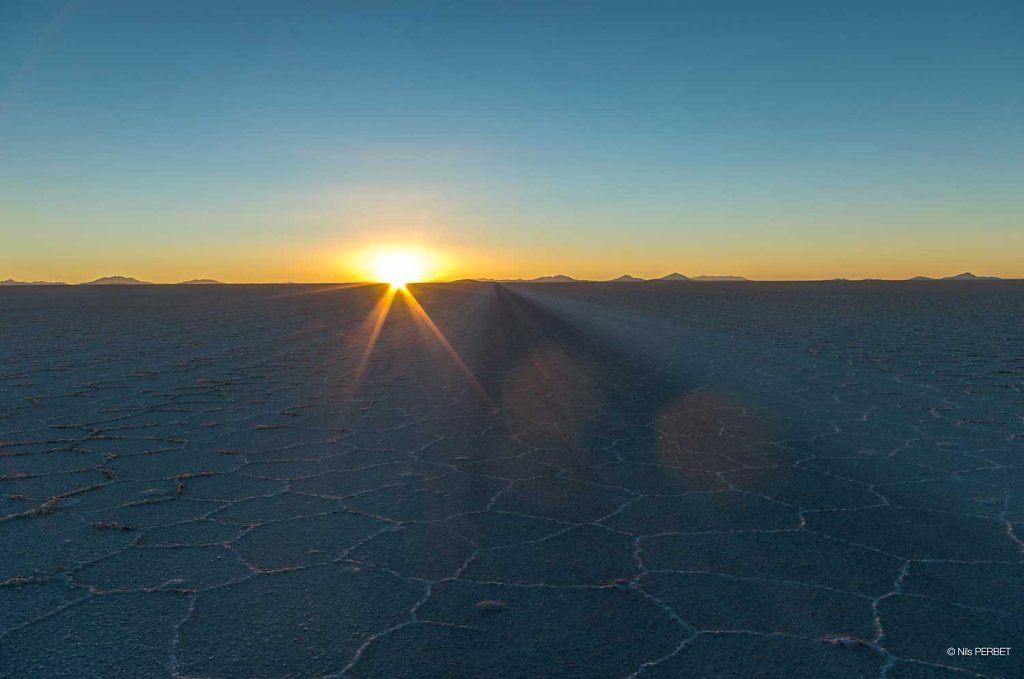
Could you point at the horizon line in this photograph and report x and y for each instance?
(120, 280)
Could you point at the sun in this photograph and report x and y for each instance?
(396, 264)
(398, 267)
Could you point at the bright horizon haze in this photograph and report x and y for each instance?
(272, 141)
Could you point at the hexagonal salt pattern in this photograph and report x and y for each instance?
(650, 480)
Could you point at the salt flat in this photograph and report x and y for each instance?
(589, 480)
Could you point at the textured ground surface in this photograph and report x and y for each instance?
(678, 480)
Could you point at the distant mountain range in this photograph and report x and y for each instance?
(625, 278)
(11, 281)
(559, 278)
(115, 280)
(680, 277)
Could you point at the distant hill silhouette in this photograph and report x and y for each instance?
(201, 281)
(558, 278)
(11, 281)
(968, 276)
(712, 279)
(626, 278)
(117, 280)
(675, 276)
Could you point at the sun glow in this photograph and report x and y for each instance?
(395, 263)
(398, 267)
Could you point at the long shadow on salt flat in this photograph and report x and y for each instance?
(801, 528)
(569, 410)
(557, 386)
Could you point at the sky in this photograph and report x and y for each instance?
(283, 141)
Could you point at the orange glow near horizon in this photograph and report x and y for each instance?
(440, 258)
(397, 264)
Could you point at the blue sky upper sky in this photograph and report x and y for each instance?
(276, 140)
